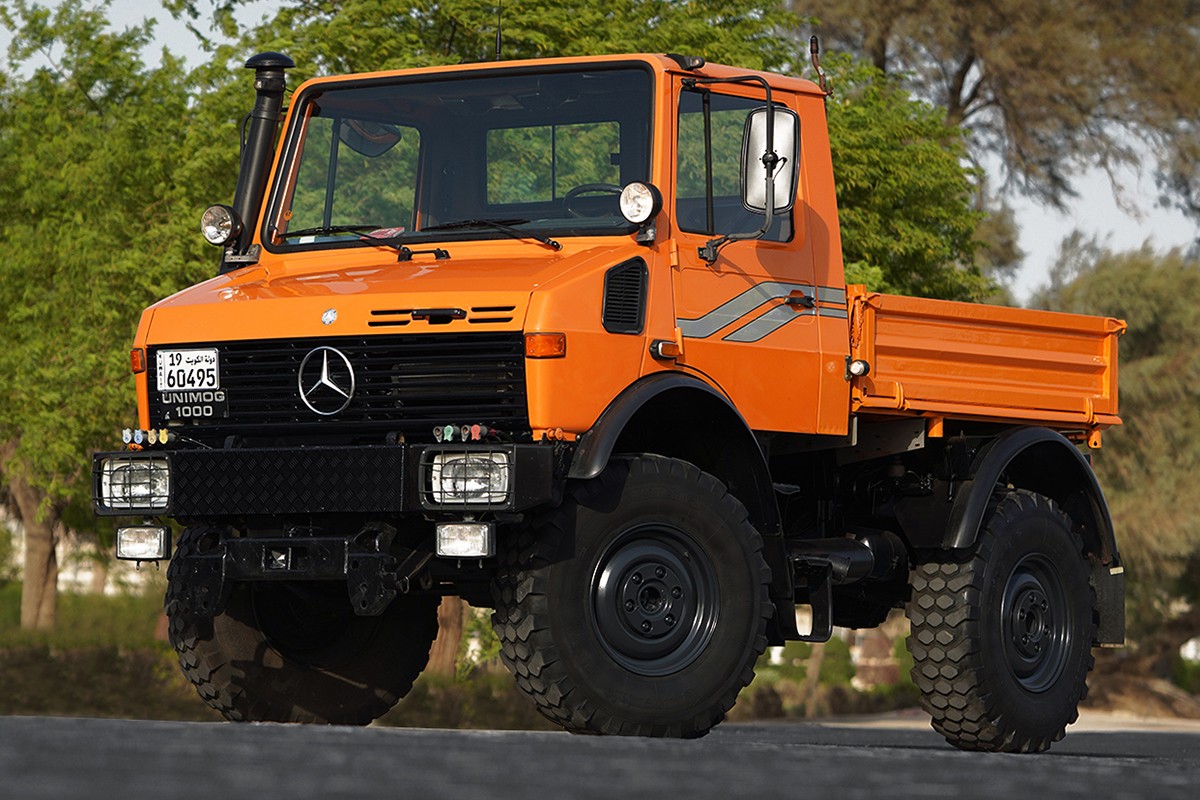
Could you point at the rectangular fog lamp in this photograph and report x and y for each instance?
(143, 543)
(466, 539)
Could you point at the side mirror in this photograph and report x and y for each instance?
(775, 167)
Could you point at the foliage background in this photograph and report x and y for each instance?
(109, 151)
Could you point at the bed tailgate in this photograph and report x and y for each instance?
(963, 360)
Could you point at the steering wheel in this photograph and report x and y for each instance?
(587, 188)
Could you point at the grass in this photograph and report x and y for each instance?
(85, 620)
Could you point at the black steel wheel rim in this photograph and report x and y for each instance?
(655, 600)
(1038, 632)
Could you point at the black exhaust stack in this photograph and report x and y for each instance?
(269, 83)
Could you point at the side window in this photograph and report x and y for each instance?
(542, 163)
(356, 173)
(719, 210)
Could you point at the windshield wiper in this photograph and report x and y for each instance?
(326, 230)
(363, 232)
(505, 226)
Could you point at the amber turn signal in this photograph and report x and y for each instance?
(545, 345)
(137, 360)
(665, 348)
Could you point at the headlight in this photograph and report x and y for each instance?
(469, 478)
(135, 483)
(466, 539)
(640, 202)
(143, 543)
(220, 225)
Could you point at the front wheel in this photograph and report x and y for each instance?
(639, 606)
(296, 651)
(1001, 639)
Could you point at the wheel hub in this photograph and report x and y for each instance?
(1037, 631)
(654, 598)
(654, 601)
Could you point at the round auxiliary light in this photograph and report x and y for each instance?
(220, 225)
(640, 202)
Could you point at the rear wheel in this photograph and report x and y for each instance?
(1001, 639)
(296, 651)
(639, 606)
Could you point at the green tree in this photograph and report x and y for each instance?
(1051, 89)
(1148, 464)
(88, 145)
(905, 200)
(328, 36)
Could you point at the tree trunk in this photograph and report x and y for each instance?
(99, 574)
(443, 656)
(39, 592)
(814, 704)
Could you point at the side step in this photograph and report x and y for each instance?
(820, 564)
(815, 578)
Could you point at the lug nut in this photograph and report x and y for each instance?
(677, 593)
(637, 577)
(629, 605)
(659, 572)
(646, 626)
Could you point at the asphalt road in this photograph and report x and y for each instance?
(130, 760)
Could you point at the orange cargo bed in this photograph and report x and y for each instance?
(968, 361)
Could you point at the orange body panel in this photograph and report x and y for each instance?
(780, 363)
(984, 362)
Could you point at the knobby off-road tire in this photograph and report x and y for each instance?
(296, 652)
(1001, 639)
(639, 606)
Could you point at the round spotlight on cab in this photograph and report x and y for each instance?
(220, 225)
(640, 202)
(858, 368)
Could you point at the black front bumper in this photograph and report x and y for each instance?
(371, 479)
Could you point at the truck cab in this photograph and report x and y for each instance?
(571, 339)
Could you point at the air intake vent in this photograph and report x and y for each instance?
(625, 297)
(480, 315)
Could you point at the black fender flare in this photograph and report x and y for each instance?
(596, 446)
(743, 467)
(1044, 461)
(1047, 462)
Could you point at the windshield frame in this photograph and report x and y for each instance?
(287, 164)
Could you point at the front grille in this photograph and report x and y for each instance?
(404, 383)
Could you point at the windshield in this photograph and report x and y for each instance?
(528, 155)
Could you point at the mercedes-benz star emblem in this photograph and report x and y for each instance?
(326, 381)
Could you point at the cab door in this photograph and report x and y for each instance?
(748, 319)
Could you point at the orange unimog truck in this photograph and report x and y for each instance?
(570, 339)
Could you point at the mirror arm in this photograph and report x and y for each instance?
(770, 158)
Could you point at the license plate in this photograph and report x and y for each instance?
(188, 370)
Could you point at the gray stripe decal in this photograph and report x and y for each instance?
(738, 307)
(828, 294)
(767, 324)
(840, 313)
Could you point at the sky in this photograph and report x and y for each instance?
(1095, 212)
